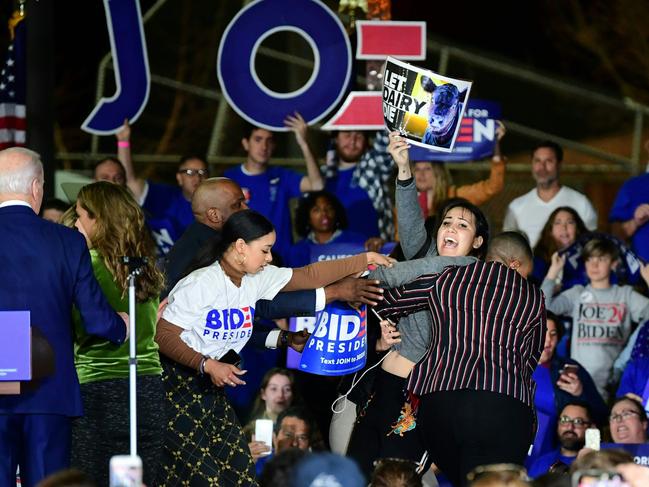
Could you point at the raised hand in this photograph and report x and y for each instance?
(298, 126)
(398, 149)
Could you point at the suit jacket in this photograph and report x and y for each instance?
(45, 269)
(194, 240)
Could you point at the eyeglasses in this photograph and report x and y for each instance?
(504, 472)
(616, 418)
(191, 172)
(577, 422)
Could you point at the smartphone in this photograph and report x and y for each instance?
(569, 368)
(264, 432)
(593, 439)
(125, 471)
(598, 478)
(231, 357)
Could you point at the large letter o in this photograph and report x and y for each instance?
(243, 90)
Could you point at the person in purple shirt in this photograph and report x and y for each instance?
(269, 188)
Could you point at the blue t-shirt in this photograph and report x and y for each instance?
(269, 194)
(301, 253)
(546, 413)
(636, 380)
(542, 464)
(632, 194)
(361, 214)
(168, 214)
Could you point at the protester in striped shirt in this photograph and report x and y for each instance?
(475, 380)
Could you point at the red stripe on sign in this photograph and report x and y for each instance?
(466, 130)
(464, 138)
(467, 121)
(382, 39)
(360, 110)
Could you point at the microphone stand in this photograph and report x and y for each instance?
(134, 265)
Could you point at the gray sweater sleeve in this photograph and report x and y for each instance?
(404, 272)
(412, 232)
(563, 303)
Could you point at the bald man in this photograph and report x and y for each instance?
(213, 202)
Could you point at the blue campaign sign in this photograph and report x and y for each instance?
(246, 93)
(341, 250)
(132, 77)
(476, 139)
(640, 452)
(338, 346)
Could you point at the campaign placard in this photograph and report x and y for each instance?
(425, 107)
(338, 345)
(477, 137)
(640, 452)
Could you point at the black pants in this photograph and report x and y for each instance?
(104, 430)
(466, 428)
(374, 436)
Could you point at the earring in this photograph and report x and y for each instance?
(242, 260)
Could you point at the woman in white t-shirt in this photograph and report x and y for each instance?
(209, 315)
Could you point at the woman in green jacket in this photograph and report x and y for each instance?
(113, 224)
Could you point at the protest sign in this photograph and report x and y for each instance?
(423, 106)
(477, 137)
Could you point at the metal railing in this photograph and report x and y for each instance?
(446, 55)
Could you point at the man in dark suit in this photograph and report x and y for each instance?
(44, 269)
(213, 202)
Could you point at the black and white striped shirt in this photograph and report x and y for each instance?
(488, 329)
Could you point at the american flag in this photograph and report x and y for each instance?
(12, 91)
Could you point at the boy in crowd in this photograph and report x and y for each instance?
(601, 312)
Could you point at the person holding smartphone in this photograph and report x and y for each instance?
(210, 312)
(559, 381)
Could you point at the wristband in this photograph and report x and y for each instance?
(201, 367)
(123, 143)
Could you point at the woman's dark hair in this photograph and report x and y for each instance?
(546, 245)
(247, 225)
(561, 330)
(306, 204)
(481, 224)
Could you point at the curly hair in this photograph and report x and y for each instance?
(308, 202)
(120, 231)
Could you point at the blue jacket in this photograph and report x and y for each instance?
(45, 269)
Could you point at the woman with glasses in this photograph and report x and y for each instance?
(209, 319)
(628, 421)
(113, 225)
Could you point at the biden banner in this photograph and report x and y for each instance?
(338, 345)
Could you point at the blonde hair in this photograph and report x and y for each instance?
(120, 231)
